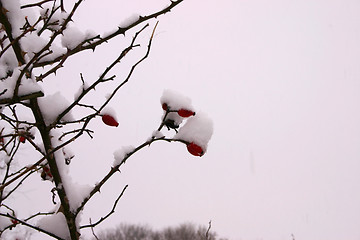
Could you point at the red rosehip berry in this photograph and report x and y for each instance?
(164, 106)
(185, 113)
(109, 120)
(46, 174)
(13, 221)
(22, 139)
(195, 149)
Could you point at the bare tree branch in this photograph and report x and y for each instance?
(31, 226)
(38, 4)
(46, 47)
(109, 214)
(115, 169)
(101, 78)
(120, 31)
(8, 28)
(18, 130)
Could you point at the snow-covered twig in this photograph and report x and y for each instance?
(115, 168)
(101, 79)
(120, 31)
(31, 226)
(30, 29)
(34, 59)
(19, 131)
(133, 67)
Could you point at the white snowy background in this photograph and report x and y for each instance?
(281, 82)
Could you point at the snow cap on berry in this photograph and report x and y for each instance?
(171, 100)
(109, 117)
(197, 130)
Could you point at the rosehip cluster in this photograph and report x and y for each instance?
(192, 147)
(182, 112)
(171, 120)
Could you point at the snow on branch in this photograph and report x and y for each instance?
(92, 43)
(37, 128)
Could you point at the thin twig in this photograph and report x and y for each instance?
(39, 4)
(132, 68)
(120, 31)
(31, 226)
(109, 214)
(207, 232)
(93, 232)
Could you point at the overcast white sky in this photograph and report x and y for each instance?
(281, 81)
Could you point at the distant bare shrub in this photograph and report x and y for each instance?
(185, 231)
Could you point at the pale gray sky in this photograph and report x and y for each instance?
(281, 81)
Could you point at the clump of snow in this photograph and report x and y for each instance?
(4, 222)
(157, 134)
(109, 111)
(68, 153)
(130, 20)
(32, 43)
(175, 100)
(75, 192)
(197, 129)
(56, 19)
(27, 86)
(89, 33)
(14, 15)
(72, 37)
(82, 88)
(8, 62)
(5, 159)
(121, 153)
(55, 224)
(7, 86)
(52, 105)
(56, 51)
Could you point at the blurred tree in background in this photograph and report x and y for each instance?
(186, 231)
